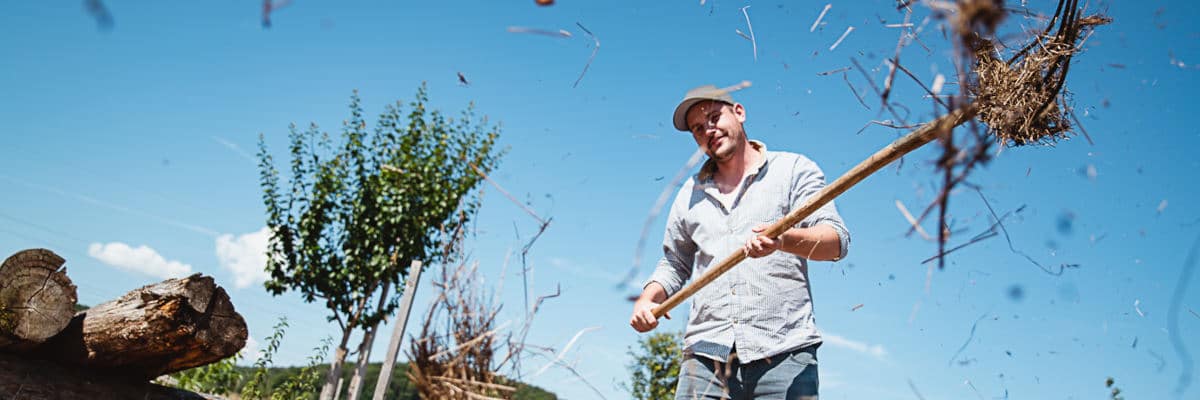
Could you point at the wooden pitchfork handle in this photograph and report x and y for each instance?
(883, 157)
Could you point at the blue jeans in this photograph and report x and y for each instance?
(787, 376)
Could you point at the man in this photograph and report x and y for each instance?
(751, 332)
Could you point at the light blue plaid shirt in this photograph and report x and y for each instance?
(764, 305)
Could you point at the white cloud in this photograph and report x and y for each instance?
(575, 268)
(142, 259)
(831, 379)
(250, 352)
(876, 351)
(236, 149)
(245, 256)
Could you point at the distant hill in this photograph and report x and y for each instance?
(398, 389)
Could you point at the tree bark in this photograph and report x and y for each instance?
(154, 330)
(37, 299)
(360, 368)
(29, 379)
(364, 350)
(333, 379)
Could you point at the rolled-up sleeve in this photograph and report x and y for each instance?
(810, 180)
(675, 266)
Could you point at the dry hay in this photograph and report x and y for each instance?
(1020, 99)
(979, 15)
(458, 364)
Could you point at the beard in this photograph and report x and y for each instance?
(726, 145)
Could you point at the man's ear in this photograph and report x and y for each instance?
(740, 112)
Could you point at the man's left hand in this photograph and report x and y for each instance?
(759, 245)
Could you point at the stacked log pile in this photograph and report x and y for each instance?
(112, 350)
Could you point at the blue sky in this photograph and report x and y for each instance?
(129, 152)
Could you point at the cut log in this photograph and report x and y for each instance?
(154, 330)
(29, 379)
(37, 300)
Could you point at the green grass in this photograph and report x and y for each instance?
(398, 388)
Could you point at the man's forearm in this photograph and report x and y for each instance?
(653, 292)
(819, 242)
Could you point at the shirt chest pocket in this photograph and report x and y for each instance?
(764, 205)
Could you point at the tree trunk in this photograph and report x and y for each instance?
(364, 350)
(154, 330)
(332, 385)
(360, 369)
(28, 379)
(37, 299)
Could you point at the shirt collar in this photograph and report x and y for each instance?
(710, 167)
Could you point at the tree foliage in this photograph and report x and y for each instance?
(219, 378)
(356, 214)
(304, 383)
(655, 367)
(256, 387)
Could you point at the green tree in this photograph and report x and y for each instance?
(303, 384)
(257, 387)
(357, 214)
(219, 378)
(655, 367)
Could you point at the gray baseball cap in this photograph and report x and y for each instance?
(696, 95)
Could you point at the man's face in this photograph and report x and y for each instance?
(717, 128)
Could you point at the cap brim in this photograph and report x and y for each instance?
(681, 113)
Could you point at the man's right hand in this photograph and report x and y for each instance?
(643, 319)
